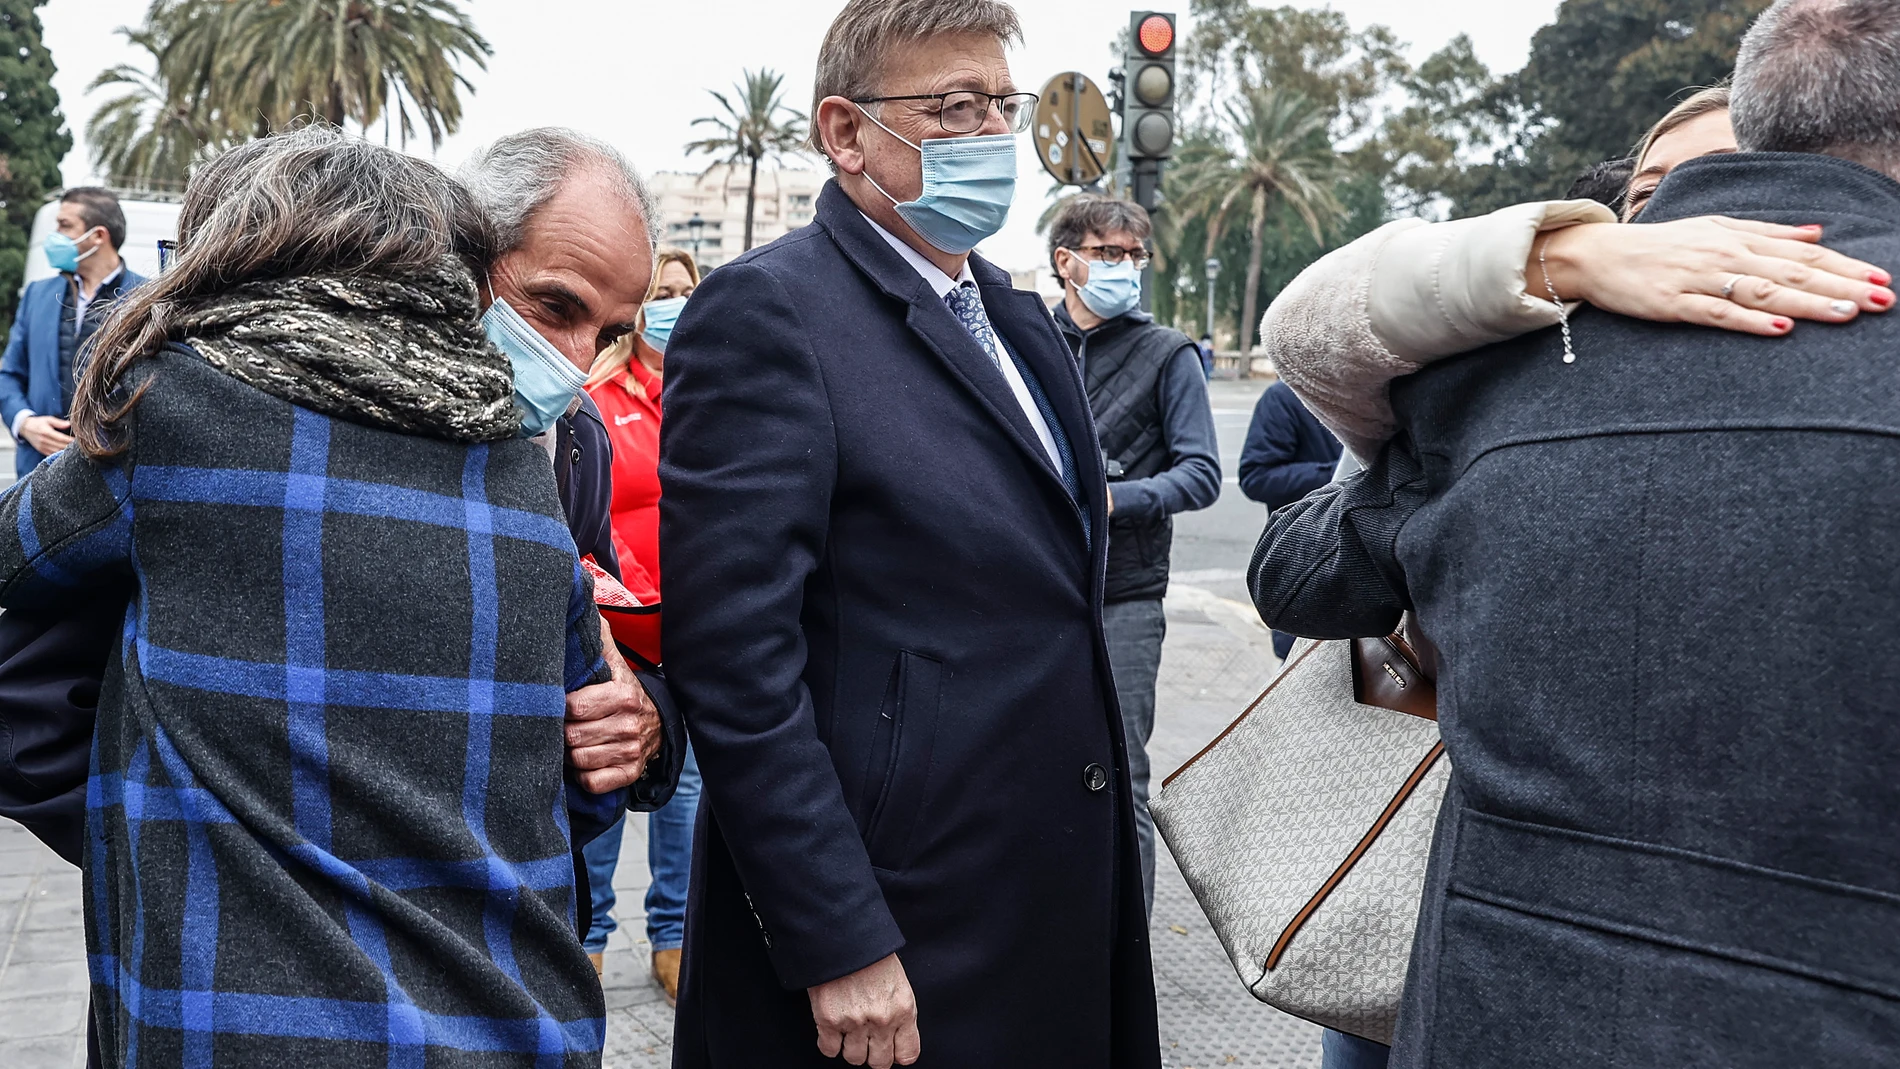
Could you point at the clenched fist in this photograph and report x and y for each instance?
(868, 1017)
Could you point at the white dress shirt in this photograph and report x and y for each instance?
(943, 284)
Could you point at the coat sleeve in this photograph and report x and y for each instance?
(52, 666)
(1327, 565)
(588, 814)
(1270, 469)
(64, 529)
(13, 366)
(1401, 297)
(1192, 478)
(748, 467)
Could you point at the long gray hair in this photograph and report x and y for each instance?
(312, 201)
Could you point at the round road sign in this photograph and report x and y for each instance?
(1072, 130)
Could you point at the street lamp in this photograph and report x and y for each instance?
(1213, 272)
(695, 231)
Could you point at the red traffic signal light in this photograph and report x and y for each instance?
(1156, 34)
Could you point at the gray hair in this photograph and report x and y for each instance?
(1822, 76)
(850, 60)
(1086, 213)
(312, 201)
(516, 176)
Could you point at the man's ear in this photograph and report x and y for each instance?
(1065, 267)
(839, 125)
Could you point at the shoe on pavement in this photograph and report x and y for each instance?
(666, 973)
(600, 963)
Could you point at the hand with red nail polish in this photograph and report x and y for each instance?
(1714, 271)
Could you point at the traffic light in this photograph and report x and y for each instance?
(1148, 92)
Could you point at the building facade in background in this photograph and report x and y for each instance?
(786, 198)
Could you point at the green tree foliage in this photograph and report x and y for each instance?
(361, 61)
(148, 136)
(1275, 155)
(1264, 89)
(225, 70)
(756, 125)
(1236, 47)
(1597, 78)
(33, 138)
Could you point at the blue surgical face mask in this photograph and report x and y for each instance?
(661, 315)
(546, 383)
(63, 252)
(1112, 289)
(968, 185)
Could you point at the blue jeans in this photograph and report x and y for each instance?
(602, 855)
(1341, 1051)
(670, 859)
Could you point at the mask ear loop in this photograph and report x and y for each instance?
(95, 248)
(867, 171)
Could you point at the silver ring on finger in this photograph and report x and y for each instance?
(1728, 288)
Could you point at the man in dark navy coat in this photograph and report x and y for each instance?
(1662, 581)
(882, 514)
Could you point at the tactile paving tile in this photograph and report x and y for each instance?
(1208, 1019)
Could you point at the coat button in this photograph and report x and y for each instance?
(1095, 777)
(576, 458)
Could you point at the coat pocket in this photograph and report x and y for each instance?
(905, 735)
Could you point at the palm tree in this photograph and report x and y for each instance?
(1281, 153)
(751, 131)
(150, 135)
(265, 63)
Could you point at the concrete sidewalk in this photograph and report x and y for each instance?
(1217, 658)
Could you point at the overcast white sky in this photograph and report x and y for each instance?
(636, 73)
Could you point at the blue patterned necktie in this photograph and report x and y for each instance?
(967, 305)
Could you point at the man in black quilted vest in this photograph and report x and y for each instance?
(1150, 402)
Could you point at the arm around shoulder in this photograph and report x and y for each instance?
(1397, 299)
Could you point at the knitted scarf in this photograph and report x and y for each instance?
(404, 354)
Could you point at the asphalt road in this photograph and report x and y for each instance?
(1212, 546)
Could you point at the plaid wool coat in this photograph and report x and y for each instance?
(327, 817)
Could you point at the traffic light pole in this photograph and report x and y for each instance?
(1146, 96)
(1147, 191)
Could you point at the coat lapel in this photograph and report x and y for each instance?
(932, 321)
(1024, 320)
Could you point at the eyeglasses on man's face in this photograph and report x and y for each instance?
(966, 110)
(1113, 254)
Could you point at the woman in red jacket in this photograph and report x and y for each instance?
(625, 384)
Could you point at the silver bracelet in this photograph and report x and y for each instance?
(1563, 313)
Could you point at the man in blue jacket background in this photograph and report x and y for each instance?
(1288, 455)
(57, 315)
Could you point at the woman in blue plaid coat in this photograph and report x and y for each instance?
(326, 814)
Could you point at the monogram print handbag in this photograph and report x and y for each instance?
(1304, 828)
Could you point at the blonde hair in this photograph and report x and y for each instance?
(1704, 102)
(615, 357)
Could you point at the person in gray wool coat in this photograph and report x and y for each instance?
(1659, 579)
